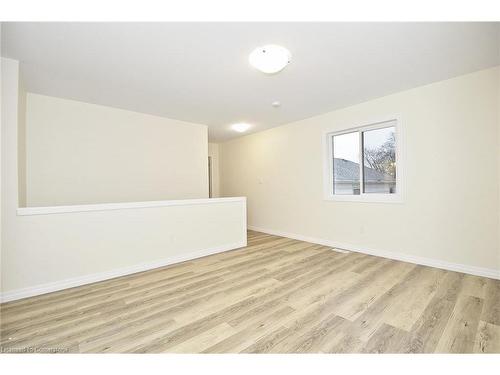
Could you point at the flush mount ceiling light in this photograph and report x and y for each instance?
(270, 58)
(240, 127)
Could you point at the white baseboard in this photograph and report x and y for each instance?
(473, 270)
(88, 279)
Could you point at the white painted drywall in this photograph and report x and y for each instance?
(213, 152)
(1, 156)
(498, 156)
(41, 253)
(80, 153)
(450, 209)
(44, 252)
(21, 144)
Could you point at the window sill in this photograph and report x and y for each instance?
(375, 198)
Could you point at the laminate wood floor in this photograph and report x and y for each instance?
(277, 295)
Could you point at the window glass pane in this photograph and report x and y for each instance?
(346, 164)
(379, 161)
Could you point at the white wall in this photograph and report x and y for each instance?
(1, 157)
(498, 155)
(21, 144)
(80, 153)
(451, 144)
(42, 253)
(213, 152)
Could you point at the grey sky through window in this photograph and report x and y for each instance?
(346, 146)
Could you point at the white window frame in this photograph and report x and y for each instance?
(364, 197)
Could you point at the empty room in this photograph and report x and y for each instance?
(250, 187)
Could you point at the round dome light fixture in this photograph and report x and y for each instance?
(270, 58)
(241, 127)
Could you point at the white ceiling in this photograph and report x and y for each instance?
(199, 72)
